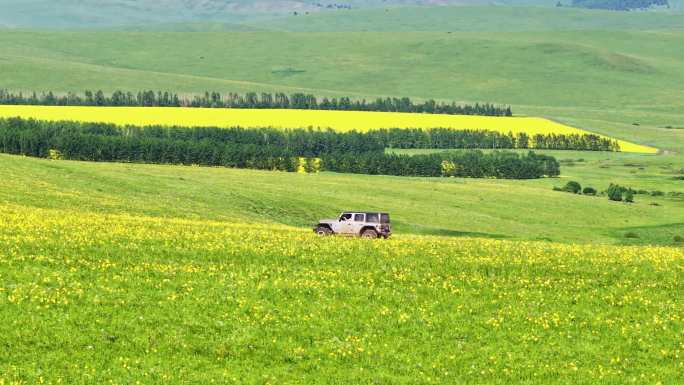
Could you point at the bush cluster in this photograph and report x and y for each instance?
(576, 188)
(572, 187)
(614, 192)
(619, 193)
(589, 191)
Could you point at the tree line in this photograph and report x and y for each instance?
(447, 138)
(248, 100)
(314, 142)
(620, 5)
(260, 148)
(468, 164)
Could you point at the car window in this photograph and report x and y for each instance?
(359, 217)
(372, 217)
(345, 217)
(385, 218)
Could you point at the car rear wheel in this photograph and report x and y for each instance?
(370, 234)
(323, 231)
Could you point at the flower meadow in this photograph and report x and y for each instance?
(290, 118)
(93, 297)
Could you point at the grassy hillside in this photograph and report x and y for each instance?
(480, 208)
(128, 299)
(566, 69)
(179, 275)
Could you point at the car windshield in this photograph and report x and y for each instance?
(384, 218)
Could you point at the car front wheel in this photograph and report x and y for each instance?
(323, 231)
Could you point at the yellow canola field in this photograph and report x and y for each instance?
(279, 118)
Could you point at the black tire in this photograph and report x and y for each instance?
(369, 234)
(323, 231)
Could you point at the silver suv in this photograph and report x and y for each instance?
(357, 223)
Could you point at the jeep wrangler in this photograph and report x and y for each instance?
(355, 223)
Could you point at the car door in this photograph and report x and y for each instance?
(344, 224)
(359, 221)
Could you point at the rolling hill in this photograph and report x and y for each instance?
(446, 207)
(128, 270)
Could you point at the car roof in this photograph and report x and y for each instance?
(364, 212)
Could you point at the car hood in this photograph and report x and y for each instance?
(328, 221)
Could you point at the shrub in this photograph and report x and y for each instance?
(54, 154)
(678, 239)
(629, 196)
(657, 193)
(589, 191)
(448, 167)
(631, 235)
(572, 187)
(615, 192)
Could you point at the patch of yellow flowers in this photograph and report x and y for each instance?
(82, 291)
(285, 118)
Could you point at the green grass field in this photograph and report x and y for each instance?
(457, 207)
(614, 73)
(116, 273)
(129, 273)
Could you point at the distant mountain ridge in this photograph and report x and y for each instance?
(217, 14)
(107, 13)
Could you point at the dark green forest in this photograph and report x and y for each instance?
(447, 138)
(260, 148)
